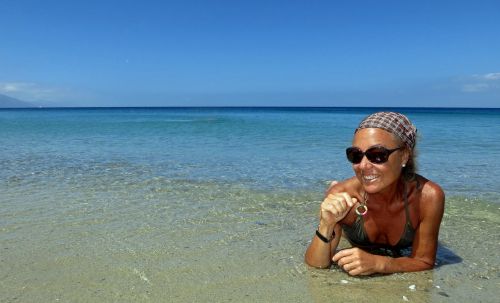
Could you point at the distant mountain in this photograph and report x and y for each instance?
(9, 102)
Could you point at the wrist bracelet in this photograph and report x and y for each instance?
(323, 238)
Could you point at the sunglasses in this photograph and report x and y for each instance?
(375, 154)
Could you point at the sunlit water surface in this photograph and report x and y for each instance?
(219, 205)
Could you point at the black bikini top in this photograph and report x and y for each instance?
(357, 236)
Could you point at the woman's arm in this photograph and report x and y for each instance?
(426, 235)
(333, 209)
(358, 262)
(319, 254)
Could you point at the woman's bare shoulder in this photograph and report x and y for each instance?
(350, 185)
(428, 188)
(431, 195)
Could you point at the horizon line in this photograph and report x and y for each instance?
(248, 107)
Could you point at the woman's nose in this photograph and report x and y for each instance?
(365, 163)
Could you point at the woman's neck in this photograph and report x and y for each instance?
(389, 195)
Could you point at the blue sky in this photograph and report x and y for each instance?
(251, 53)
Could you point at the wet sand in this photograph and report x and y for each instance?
(181, 241)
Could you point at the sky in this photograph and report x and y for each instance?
(251, 53)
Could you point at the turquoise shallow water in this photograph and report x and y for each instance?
(185, 205)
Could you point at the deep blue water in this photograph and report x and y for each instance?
(267, 148)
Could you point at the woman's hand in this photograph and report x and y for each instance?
(335, 207)
(356, 261)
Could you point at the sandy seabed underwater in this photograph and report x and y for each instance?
(144, 206)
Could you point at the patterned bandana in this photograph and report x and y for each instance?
(395, 123)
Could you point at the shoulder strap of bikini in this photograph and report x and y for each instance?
(407, 209)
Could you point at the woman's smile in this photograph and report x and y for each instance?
(369, 178)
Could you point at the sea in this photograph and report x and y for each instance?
(220, 204)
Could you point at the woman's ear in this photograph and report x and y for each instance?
(406, 157)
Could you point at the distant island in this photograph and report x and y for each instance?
(9, 102)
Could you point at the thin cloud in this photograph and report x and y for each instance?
(481, 83)
(29, 91)
(488, 77)
(492, 76)
(475, 88)
(11, 87)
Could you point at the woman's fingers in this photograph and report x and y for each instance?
(344, 253)
(355, 261)
(350, 201)
(338, 205)
(333, 205)
(346, 260)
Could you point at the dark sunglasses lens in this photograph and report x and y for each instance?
(377, 155)
(354, 155)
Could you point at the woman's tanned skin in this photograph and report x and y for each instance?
(385, 221)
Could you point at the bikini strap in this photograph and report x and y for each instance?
(407, 209)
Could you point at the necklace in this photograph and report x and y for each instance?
(362, 209)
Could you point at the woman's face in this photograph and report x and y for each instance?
(377, 177)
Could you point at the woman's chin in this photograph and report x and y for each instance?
(372, 186)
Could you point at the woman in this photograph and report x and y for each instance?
(385, 208)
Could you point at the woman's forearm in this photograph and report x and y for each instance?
(390, 265)
(319, 254)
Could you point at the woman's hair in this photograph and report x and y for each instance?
(409, 171)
